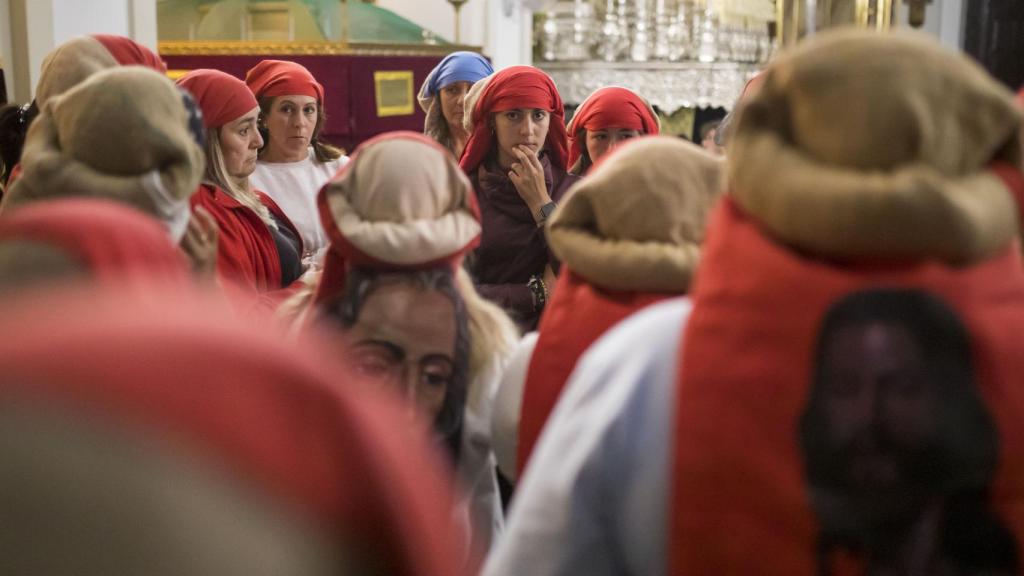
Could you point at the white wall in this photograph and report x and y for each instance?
(6, 49)
(944, 20)
(31, 38)
(75, 18)
(135, 19)
(951, 27)
(50, 22)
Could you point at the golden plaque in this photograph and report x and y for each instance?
(394, 92)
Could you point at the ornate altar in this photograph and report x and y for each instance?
(797, 18)
(676, 53)
(370, 60)
(686, 53)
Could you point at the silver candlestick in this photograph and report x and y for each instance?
(662, 21)
(640, 48)
(707, 39)
(610, 45)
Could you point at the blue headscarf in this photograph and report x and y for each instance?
(456, 67)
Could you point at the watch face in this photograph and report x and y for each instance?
(547, 209)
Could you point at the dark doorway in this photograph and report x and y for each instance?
(994, 36)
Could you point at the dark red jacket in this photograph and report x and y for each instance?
(247, 258)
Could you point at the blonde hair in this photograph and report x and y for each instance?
(492, 333)
(217, 174)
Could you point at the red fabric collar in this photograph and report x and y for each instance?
(740, 501)
(227, 201)
(222, 97)
(578, 314)
(223, 198)
(516, 87)
(119, 245)
(128, 52)
(283, 78)
(610, 107)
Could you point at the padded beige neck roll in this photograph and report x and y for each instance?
(637, 221)
(868, 145)
(69, 64)
(404, 203)
(118, 135)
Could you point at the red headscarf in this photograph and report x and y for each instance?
(222, 97)
(281, 78)
(512, 88)
(127, 52)
(424, 241)
(282, 418)
(611, 107)
(120, 246)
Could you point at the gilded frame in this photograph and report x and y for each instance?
(869, 14)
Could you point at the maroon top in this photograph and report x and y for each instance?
(512, 247)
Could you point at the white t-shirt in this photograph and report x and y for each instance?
(294, 186)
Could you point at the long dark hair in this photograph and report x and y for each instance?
(14, 123)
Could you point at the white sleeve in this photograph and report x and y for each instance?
(476, 469)
(594, 498)
(507, 405)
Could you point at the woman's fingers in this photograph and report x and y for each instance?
(207, 226)
(191, 237)
(532, 159)
(523, 154)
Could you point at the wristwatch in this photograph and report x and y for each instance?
(545, 212)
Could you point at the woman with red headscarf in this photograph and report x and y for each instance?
(607, 118)
(259, 249)
(293, 162)
(516, 159)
